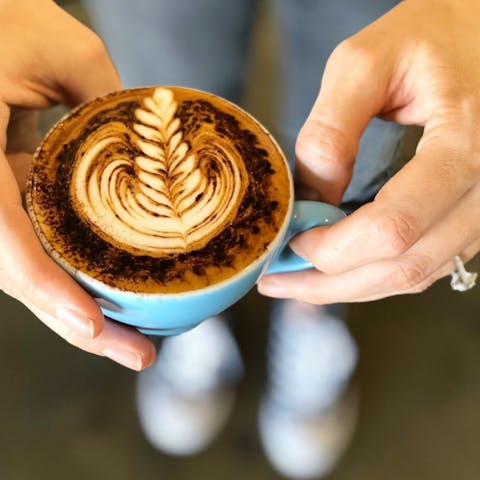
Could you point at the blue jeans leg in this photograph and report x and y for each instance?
(197, 43)
(310, 30)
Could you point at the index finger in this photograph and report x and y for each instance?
(440, 173)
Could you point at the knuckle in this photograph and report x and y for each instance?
(94, 49)
(398, 231)
(410, 275)
(320, 141)
(353, 51)
(421, 287)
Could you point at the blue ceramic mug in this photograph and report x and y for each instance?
(174, 313)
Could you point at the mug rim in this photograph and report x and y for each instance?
(99, 285)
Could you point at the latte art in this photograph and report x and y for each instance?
(158, 190)
(173, 197)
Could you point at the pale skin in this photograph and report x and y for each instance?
(419, 64)
(49, 58)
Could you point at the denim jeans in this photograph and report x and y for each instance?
(205, 44)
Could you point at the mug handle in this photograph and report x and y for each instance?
(306, 215)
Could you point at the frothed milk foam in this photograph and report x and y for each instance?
(158, 189)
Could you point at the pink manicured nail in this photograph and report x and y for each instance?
(124, 357)
(76, 321)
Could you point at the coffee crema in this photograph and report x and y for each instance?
(161, 189)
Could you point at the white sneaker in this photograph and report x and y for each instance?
(305, 419)
(307, 447)
(186, 396)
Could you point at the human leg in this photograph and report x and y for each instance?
(307, 414)
(185, 397)
(308, 410)
(310, 31)
(197, 43)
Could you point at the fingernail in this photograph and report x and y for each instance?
(127, 358)
(272, 288)
(77, 321)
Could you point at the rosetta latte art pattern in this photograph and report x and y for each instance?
(172, 195)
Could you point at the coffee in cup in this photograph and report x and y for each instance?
(158, 190)
(166, 204)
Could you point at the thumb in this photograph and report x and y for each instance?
(27, 272)
(350, 95)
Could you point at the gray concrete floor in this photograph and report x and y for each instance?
(67, 414)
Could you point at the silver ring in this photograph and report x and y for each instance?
(461, 279)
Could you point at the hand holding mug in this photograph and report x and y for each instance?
(166, 204)
(418, 64)
(48, 58)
